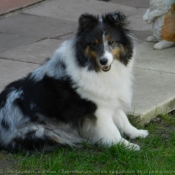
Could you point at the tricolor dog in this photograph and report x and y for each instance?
(79, 95)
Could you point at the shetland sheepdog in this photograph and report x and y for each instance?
(79, 95)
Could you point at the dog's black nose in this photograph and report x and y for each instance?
(103, 61)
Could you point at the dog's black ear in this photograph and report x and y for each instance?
(86, 22)
(115, 19)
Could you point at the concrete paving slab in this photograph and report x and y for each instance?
(141, 35)
(13, 70)
(34, 53)
(132, 3)
(7, 6)
(71, 10)
(65, 36)
(154, 87)
(154, 93)
(9, 41)
(136, 21)
(35, 26)
(155, 60)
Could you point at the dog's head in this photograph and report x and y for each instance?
(102, 40)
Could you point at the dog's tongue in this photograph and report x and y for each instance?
(106, 68)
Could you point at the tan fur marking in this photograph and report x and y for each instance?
(96, 41)
(117, 51)
(93, 55)
(122, 48)
(107, 38)
(90, 53)
(87, 51)
(168, 29)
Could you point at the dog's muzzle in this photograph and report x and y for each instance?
(106, 68)
(104, 64)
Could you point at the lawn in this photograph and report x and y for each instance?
(157, 156)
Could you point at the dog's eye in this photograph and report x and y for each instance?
(111, 42)
(94, 45)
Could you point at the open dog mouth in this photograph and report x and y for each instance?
(106, 68)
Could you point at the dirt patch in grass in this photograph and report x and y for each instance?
(161, 130)
(6, 161)
(164, 125)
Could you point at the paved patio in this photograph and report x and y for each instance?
(31, 36)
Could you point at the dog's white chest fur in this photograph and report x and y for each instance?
(112, 89)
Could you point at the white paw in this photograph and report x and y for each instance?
(129, 145)
(150, 19)
(143, 133)
(139, 133)
(151, 39)
(145, 18)
(133, 147)
(163, 44)
(146, 15)
(158, 46)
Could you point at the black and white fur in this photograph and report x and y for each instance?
(78, 95)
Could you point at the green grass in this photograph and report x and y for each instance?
(157, 156)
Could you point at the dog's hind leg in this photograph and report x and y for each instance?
(33, 136)
(29, 136)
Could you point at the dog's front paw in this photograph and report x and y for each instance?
(130, 145)
(143, 133)
(133, 147)
(140, 133)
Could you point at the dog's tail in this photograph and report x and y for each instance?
(33, 136)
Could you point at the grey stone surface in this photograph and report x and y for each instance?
(150, 80)
(9, 41)
(71, 10)
(140, 36)
(154, 87)
(154, 93)
(133, 3)
(155, 60)
(36, 26)
(13, 70)
(65, 10)
(66, 36)
(136, 21)
(34, 53)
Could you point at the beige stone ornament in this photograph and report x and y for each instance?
(162, 16)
